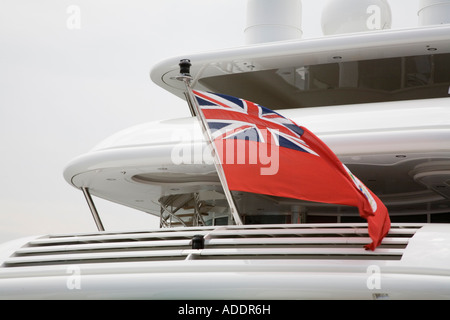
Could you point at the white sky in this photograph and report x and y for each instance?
(62, 91)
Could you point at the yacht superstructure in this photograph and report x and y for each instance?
(380, 100)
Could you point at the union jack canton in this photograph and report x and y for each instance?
(234, 118)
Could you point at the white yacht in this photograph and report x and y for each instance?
(378, 97)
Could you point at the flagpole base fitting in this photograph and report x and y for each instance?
(183, 78)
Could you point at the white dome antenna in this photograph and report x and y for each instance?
(432, 12)
(349, 16)
(273, 20)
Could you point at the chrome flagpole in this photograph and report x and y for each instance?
(185, 76)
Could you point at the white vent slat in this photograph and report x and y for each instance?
(116, 237)
(80, 257)
(104, 246)
(312, 231)
(303, 241)
(301, 251)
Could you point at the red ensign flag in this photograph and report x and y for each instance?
(263, 152)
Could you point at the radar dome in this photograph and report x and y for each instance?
(349, 16)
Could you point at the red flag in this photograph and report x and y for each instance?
(263, 152)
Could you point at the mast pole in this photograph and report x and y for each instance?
(185, 76)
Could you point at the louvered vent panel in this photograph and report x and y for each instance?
(230, 242)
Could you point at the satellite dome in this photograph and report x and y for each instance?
(433, 12)
(349, 16)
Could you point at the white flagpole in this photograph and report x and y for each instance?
(186, 78)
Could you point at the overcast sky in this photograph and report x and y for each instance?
(65, 85)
